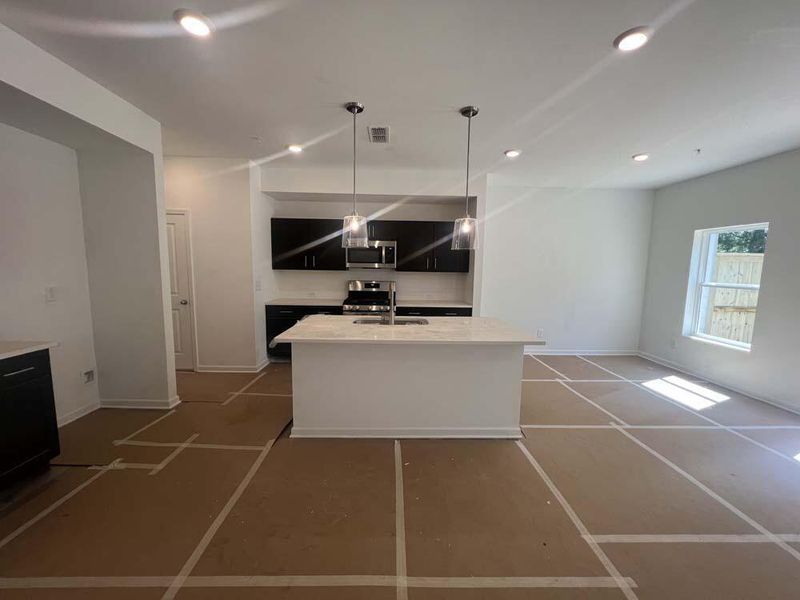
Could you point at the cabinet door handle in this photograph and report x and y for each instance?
(305, 261)
(414, 312)
(314, 261)
(450, 314)
(435, 264)
(427, 264)
(286, 312)
(19, 372)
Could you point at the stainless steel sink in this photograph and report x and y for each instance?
(397, 321)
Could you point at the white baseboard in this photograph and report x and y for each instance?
(543, 350)
(140, 403)
(232, 368)
(682, 369)
(77, 413)
(505, 433)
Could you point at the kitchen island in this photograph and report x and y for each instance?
(454, 377)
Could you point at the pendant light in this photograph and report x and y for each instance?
(354, 226)
(465, 228)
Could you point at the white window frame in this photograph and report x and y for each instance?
(701, 266)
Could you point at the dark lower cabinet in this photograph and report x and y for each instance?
(282, 317)
(433, 311)
(28, 428)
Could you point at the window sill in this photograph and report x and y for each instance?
(718, 342)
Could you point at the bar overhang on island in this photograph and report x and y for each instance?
(455, 377)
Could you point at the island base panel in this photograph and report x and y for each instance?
(406, 390)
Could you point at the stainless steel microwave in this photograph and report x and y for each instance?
(377, 254)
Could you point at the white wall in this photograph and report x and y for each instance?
(264, 285)
(61, 104)
(41, 244)
(762, 191)
(570, 262)
(216, 191)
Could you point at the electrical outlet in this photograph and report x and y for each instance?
(540, 333)
(88, 376)
(673, 344)
(258, 284)
(50, 293)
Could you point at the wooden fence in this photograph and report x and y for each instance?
(733, 312)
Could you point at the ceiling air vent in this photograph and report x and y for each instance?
(378, 134)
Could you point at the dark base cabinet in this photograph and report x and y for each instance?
(28, 428)
(432, 311)
(282, 317)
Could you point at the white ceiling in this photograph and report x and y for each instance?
(721, 75)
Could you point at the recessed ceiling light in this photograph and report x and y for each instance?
(194, 22)
(295, 148)
(512, 153)
(640, 157)
(633, 39)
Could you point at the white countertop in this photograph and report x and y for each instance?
(441, 330)
(9, 349)
(410, 302)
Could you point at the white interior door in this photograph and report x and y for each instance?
(181, 289)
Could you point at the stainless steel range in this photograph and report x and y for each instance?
(367, 297)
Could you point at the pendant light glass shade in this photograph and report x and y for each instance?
(354, 226)
(464, 234)
(465, 229)
(354, 231)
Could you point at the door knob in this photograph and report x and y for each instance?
(184, 302)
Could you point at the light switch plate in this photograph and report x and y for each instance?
(50, 293)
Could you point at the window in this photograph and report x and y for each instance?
(724, 283)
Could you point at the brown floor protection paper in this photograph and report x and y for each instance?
(246, 420)
(550, 403)
(315, 593)
(708, 571)
(636, 406)
(478, 508)
(88, 441)
(533, 369)
(766, 487)
(129, 522)
(97, 594)
(617, 488)
(315, 507)
(575, 367)
(210, 387)
(277, 379)
(31, 497)
(516, 594)
(782, 440)
(633, 367)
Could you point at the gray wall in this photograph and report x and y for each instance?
(763, 191)
(121, 225)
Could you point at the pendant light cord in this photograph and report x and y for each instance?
(469, 136)
(354, 161)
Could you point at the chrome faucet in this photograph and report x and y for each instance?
(392, 302)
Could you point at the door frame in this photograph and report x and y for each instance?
(187, 214)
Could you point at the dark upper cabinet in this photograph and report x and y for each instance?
(327, 253)
(414, 242)
(313, 244)
(445, 259)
